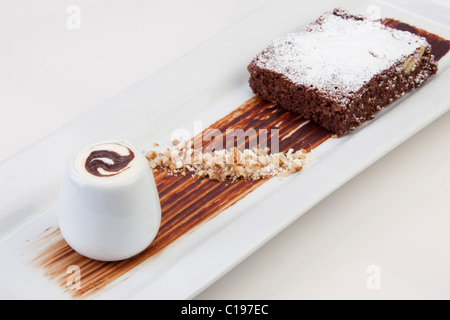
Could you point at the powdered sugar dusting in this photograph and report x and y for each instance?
(338, 55)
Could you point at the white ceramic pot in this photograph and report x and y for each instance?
(109, 206)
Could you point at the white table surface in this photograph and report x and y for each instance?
(395, 215)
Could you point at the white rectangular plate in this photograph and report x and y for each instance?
(203, 86)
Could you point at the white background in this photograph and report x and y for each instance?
(395, 214)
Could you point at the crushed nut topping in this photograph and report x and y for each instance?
(222, 165)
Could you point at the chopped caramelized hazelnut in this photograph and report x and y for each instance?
(225, 165)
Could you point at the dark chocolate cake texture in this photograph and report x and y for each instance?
(341, 69)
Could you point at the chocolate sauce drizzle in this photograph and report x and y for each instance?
(119, 163)
(186, 201)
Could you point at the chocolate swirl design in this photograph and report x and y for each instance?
(95, 161)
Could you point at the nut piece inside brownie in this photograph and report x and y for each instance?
(341, 69)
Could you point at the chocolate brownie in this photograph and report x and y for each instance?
(341, 69)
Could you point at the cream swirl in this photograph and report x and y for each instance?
(106, 163)
(112, 160)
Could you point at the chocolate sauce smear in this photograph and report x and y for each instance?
(183, 212)
(186, 201)
(119, 163)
